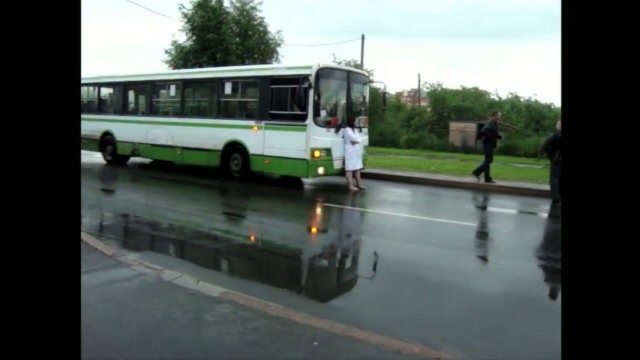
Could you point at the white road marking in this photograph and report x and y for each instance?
(402, 215)
(514, 212)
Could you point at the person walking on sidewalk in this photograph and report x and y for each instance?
(551, 148)
(489, 136)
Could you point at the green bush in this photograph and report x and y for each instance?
(520, 145)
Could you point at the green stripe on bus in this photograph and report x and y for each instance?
(89, 144)
(180, 156)
(195, 124)
(280, 166)
(203, 157)
(170, 123)
(285, 128)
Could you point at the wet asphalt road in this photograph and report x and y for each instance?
(167, 321)
(462, 272)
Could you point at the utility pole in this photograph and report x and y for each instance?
(419, 98)
(362, 53)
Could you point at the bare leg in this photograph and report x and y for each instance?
(349, 175)
(359, 180)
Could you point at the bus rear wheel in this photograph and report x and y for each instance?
(110, 151)
(236, 162)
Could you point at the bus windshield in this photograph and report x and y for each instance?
(359, 98)
(333, 102)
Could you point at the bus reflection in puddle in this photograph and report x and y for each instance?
(324, 268)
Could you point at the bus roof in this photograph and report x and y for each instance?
(213, 72)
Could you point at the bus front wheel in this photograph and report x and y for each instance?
(109, 151)
(236, 162)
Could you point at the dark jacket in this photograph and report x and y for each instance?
(490, 133)
(552, 148)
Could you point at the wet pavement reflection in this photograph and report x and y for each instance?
(482, 238)
(325, 266)
(549, 252)
(450, 261)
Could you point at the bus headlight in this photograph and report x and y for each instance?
(318, 153)
(321, 170)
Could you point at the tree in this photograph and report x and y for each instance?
(466, 103)
(253, 44)
(352, 63)
(223, 36)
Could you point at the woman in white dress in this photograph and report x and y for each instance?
(353, 156)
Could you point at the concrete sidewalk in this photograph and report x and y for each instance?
(467, 182)
(128, 312)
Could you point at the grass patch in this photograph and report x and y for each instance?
(499, 172)
(372, 150)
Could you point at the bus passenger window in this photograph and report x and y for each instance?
(142, 101)
(131, 107)
(137, 100)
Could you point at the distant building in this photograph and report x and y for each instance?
(463, 134)
(410, 98)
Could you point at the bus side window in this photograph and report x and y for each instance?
(89, 99)
(137, 100)
(131, 101)
(239, 99)
(142, 108)
(288, 99)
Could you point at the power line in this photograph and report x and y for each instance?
(153, 11)
(339, 42)
(300, 45)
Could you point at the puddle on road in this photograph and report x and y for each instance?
(322, 271)
(548, 254)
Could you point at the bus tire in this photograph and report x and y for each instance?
(109, 151)
(236, 162)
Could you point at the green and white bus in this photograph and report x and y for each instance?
(241, 118)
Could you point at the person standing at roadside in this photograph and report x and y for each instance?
(353, 156)
(551, 147)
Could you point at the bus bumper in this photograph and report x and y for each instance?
(320, 168)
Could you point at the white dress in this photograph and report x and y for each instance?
(352, 153)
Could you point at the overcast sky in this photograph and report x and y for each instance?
(497, 45)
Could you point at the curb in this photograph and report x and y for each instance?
(267, 307)
(498, 188)
(378, 174)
